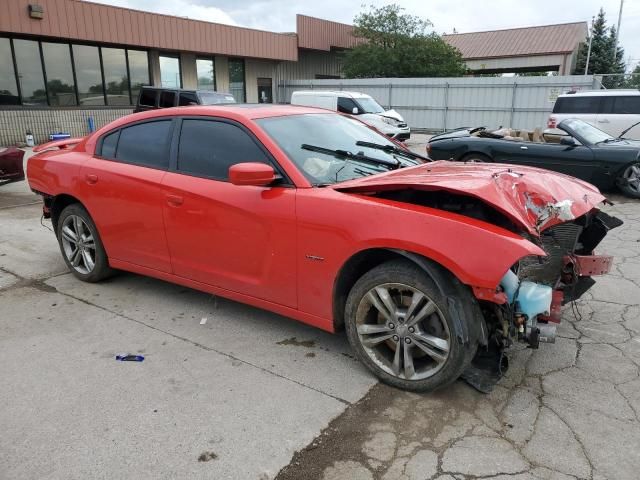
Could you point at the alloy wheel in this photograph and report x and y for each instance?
(632, 177)
(403, 331)
(78, 244)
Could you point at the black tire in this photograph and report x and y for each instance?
(404, 273)
(93, 268)
(475, 158)
(630, 189)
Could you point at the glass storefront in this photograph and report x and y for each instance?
(236, 79)
(206, 74)
(170, 75)
(67, 75)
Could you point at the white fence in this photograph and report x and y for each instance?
(438, 104)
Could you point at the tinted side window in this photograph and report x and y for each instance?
(627, 105)
(187, 98)
(109, 144)
(148, 98)
(167, 99)
(145, 144)
(208, 148)
(576, 105)
(346, 105)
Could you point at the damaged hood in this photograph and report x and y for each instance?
(531, 197)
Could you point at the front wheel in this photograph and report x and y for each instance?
(400, 327)
(629, 182)
(475, 158)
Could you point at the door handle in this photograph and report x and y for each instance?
(91, 178)
(524, 148)
(175, 200)
(603, 121)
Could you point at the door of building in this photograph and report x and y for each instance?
(265, 90)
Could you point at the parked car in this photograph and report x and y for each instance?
(583, 151)
(365, 107)
(152, 98)
(11, 161)
(612, 111)
(314, 215)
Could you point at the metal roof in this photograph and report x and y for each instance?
(517, 42)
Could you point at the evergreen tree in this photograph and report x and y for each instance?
(602, 59)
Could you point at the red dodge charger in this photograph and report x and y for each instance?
(432, 268)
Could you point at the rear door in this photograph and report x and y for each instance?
(618, 113)
(121, 188)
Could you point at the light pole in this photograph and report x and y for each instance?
(615, 43)
(586, 65)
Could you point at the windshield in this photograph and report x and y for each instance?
(587, 132)
(214, 98)
(369, 105)
(331, 132)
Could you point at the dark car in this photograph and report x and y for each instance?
(152, 98)
(11, 169)
(582, 151)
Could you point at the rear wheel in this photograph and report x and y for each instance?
(475, 158)
(400, 327)
(80, 244)
(629, 181)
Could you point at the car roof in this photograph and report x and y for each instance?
(338, 93)
(237, 111)
(603, 93)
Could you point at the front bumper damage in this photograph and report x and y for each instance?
(526, 306)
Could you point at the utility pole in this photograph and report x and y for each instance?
(615, 44)
(586, 65)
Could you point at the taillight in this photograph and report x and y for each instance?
(428, 148)
(551, 123)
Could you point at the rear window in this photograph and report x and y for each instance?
(623, 105)
(187, 98)
(167, 99)
(144, 144)
(147, 98)
(577, 105)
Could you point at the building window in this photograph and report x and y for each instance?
(170, 76)
(116, 80)
(88, 75)
(8, 85)
(236, 79)
(206, 74)
(57, 66)
(138, 71)
(30, 73)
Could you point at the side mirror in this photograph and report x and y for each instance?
(568, 141)
(251, 173)
(355, 110)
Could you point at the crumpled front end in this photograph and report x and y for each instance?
(526, 306)
(537, 287)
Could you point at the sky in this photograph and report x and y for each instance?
(445, 15)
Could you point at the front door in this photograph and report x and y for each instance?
(577, 161)
(121, 188)
(265, 90)
(240, 238)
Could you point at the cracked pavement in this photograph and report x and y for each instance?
(252, 395)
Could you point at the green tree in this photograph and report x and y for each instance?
(602, 59)
(395, 44)
(634, 80)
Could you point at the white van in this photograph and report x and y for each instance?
(612, 111)
(365, 107)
